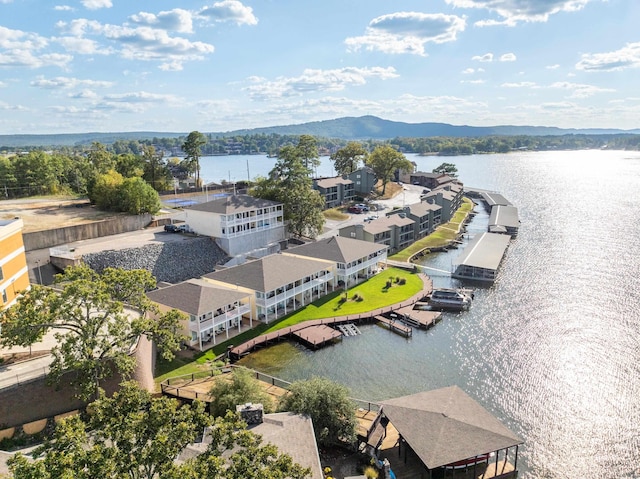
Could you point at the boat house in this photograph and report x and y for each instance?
(481, 258)
(446, 429)
(504, 219)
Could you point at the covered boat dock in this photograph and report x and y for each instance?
(504, 219)
(446, 430)
(482, 257)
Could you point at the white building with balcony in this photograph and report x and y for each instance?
(214, 312)
(240, 223)
(356, 260)
(281, 283)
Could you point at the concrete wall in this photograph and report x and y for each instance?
(69, 234)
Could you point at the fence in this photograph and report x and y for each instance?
(7, 381)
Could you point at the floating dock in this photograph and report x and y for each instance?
(317, 336)
(417, 318)
(348, 329)
(395, 325)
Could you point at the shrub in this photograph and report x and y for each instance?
(371, 472)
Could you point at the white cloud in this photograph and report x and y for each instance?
(63, 8)
(580, 90)
(407, 32)
(96, 4)
(84, 95)
(508, 57)
(468, 71)
(626, 57)
(176, 20)
(522, 84)
(229, 11)
(68, 82)
(473, 82)
(142, 97)
(12, 107)
(552, 67)
(82, 46)
(316, 80)
(487, 57)
(142, 43)
(514, 11)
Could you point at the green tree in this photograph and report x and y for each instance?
(289, 184)
(95, 332)
(308, 151)
(105, 190)
(384, 160)
(135, 197)
(241, 389)
(447, 169)
(328, 405)
(348, 159)
(192, 146)
(134, 435)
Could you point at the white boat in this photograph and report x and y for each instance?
(445, 298)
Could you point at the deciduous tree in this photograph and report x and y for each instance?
(241, 389)
(95, 333)
(447, 169)
(348, 159)
(134, 435)
(384, 160)
(328, 405)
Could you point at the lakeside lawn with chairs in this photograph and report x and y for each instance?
(390, 286)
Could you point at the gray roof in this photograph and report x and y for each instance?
(502, 215)
(334, 181)
(269, 273)
(293, 434)
(495, 199)
(423, 208)
(384, 224)
(233, 204)
(446, 425)
(338, 249)
(485, 251)
(195, 296)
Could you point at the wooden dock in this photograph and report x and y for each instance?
(395, 326)
(317, 336)
(419, 318)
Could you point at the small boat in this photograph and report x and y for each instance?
(456, 299)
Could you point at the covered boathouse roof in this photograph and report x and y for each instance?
(484, 251)
(446, 425)
(502, 215)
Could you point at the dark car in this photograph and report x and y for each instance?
(171, 229)
(355, 209)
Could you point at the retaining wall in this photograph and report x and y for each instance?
(68, 234)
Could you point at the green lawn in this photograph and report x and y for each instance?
(442, 236)
(375, 295)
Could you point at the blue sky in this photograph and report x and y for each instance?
(178, 66)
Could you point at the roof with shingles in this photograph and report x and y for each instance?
(270, 272)
(233, 204)
(446, 425)
(423, 208)
(384, 224)
(338, 249)
(195, 296)
(334, 181)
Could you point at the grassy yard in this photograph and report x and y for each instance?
(374, 295)
(440, 237)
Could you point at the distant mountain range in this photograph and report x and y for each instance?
(347, 128)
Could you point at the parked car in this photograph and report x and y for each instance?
(171, 228)
(355, 209)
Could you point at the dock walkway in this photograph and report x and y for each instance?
(241, 350)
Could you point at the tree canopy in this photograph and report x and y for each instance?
(241, 389)
(384, 160)
(134, 435)
(328, 405)
(349, 158)
(289, 182)
(192, 146)
(95, 332)
(447, 168)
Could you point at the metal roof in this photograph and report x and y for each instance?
(233, 204)
(485, 250)
(446, 425)
(495, 199)
(502, 215)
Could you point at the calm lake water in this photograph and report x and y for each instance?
(553, 347)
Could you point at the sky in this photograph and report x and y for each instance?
(217, 66)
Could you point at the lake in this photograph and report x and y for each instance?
(553, 347)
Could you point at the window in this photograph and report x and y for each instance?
(4, 296)
(1, 274)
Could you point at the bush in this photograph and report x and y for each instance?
(371, 472)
